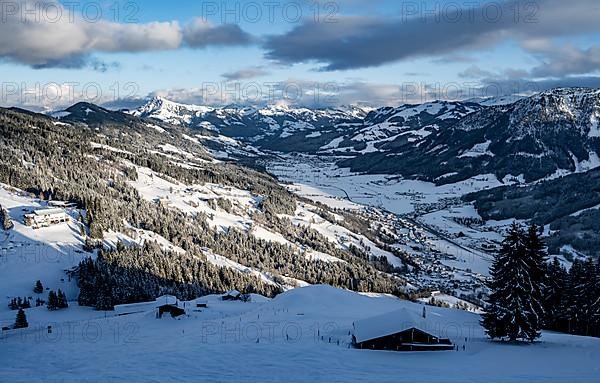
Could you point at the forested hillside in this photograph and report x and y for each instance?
(95, 162)
(567, 205)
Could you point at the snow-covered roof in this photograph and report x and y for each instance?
(48, 211)
(134, 307)
(395, 322)
(233, 293)
(166, 300)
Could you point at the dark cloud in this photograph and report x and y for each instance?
(79, 61)
(360, 42)
(475, 71)
(557, 60)
(245, 74)
(200, 34)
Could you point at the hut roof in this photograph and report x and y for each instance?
(395, 322)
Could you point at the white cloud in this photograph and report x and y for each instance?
(69, 40)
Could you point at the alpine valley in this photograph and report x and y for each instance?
(390, 205)
(494, 160)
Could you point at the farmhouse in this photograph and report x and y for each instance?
(401, 330)
(45, 217)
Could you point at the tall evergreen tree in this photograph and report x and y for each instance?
(513, 310)
(555, 296)
(61, 301)
(537, 259)
(5, 220)
(21, 321)
(39, 288)
(587, 302)
(577, 292)
(52, 301)
(105, 301)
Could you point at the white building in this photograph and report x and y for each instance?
(45, 217)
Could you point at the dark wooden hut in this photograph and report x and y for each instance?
(401, 330)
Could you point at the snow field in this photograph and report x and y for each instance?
(287, 338)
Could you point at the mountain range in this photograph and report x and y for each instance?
(532, 138)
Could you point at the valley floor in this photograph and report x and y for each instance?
(284, 339)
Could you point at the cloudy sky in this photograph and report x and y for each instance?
(376, 52)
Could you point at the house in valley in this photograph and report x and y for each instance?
(402, 330)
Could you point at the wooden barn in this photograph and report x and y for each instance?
(174, 310)
(401, 330)
(169, 304)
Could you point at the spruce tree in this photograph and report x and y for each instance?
(39, 288)
(21, 321)
(555, 296)
(587, 302)
(5, 220)
(577, 291)
(513, 310)
(52, 301)
(537, 259)
(105, 301)
(61, 302)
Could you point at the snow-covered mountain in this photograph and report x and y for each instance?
(530, 138)
(543, 136)
(171, 112)
(249, 122)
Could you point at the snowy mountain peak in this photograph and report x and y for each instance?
(169, 111)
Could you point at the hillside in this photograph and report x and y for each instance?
(233, 227)
(543, 136)
(567, 206)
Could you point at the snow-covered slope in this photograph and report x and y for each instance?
(302, 335)
(28, 255)
(543, 136)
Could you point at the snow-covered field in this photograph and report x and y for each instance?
(320, 179)
(300, 336)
